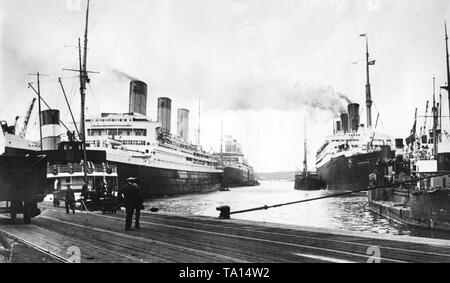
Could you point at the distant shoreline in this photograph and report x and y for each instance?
(276, 176)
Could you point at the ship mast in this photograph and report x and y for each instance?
(440, 109)
(305, 159)
(198, 130)
(221, 143)
(435, 119)
(369, 101)
(38, 75)
(39, 106)
(447, 87)
(83, 80)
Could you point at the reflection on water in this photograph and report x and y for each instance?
(345, 213)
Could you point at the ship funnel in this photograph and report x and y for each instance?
(353, 116)
(399, 144)
(344, 122)
(228, 143)
(51, 129)
(138, 97)
(232, 145)
(338, 126)
(183, 124)
(164, 112)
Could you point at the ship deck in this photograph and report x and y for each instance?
(194, 239)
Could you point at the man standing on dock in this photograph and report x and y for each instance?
(70, 200)
(85, 192)
(131, 193)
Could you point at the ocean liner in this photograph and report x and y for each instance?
(165, 164)
(122, 145)
(348, 156)
(236, 170)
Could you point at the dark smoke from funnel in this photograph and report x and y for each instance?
(335, 103)
(323, 98)
(283, 96)
(345, 98)
(123, 75)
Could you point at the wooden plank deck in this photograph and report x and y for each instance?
(191, 239)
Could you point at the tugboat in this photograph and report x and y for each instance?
(426, 158)
(307, 181)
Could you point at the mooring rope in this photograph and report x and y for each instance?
(265, 207)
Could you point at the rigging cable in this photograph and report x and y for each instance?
(31, 86)
(265, 207)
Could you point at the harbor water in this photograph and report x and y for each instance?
(344, 213)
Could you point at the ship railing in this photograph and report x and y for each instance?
(77, 168)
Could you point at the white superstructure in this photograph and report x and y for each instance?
(351, 143)
(135, 139)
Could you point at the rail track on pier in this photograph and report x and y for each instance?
(198, 239)
(38, 248)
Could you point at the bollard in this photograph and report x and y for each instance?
(224, 212)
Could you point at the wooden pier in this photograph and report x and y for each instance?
(96, 238)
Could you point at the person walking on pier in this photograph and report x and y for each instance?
(70, 200)
(132, 197)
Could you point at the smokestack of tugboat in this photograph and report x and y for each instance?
(51, 129)
(183, 124)
(344, 122)
(353, 116)
(138, 97)
(164, 112)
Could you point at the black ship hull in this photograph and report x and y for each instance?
(351, 173)
(159, 182)
(420, 203)
(238, 177)
(310, 182)
(424, 209)
(155, 182)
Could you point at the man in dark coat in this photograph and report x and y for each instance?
(70, 200)
(85, 191)
(132, 197)
(101, 189)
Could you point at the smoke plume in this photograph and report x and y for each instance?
(122, 75)
(286, 96)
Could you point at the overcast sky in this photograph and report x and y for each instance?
(260, 65)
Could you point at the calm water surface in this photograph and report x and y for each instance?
(344, 213)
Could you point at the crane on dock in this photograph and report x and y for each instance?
(414, 130)
(15, 123)
(410, 140)
(424, 128)
(23, 131)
